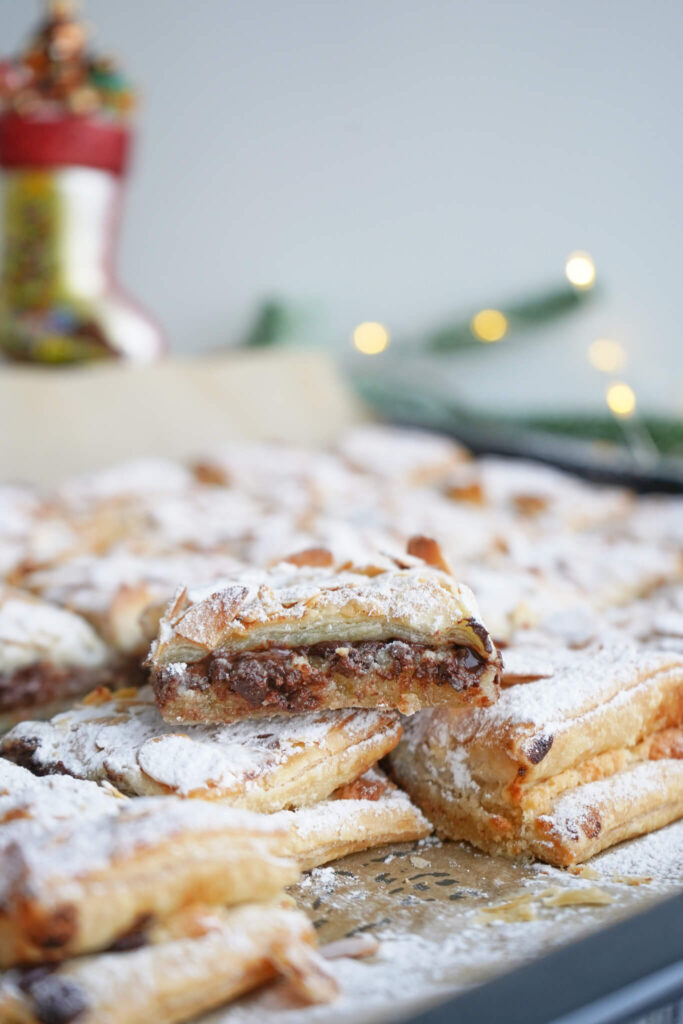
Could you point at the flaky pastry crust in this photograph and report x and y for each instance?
(77, 884)
(264, 765)
(301, 639)
(201, 959)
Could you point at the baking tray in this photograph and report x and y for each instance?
(424, 901)
(429, 905)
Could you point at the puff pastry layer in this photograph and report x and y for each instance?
(200, 960)
(565, 765)
(265, 764)
(78, 883)
(297, 640)
(368, 812)
(47, 654)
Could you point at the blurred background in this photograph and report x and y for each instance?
(408, 163)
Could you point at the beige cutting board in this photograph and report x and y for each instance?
(54, 422)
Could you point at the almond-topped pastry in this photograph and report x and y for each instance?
(198, 960)
(300, 639)
(78, 882)
(123, 594)
(583, 749)
(370, 811)
(265, 764)
(47, 655)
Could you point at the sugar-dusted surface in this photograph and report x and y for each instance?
(300, 606)
(32, 631)
(126, 741)
(94, 830)
(582, 681)
(433, 941)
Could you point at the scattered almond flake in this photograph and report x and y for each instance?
(584, 871)
(632, 879)
(584, 896)
(521, 908)
(388, 860)
(355, 946)
(418, 862)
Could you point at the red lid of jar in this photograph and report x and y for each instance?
(64, 141)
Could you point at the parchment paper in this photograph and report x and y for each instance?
(57, 421)
(424, 902)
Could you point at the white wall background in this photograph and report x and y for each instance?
(401, 160)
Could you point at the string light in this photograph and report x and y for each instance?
(580, 269)
(606, 355)
(371, 338)
(489, 325)
(621, 399)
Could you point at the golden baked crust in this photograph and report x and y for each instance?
(74, 884)
(47, 654)
(263, 765)
(296, 640)
(504, 778)
(368, 812)
(200, 960)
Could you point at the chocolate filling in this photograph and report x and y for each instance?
(43, 682)
(295, 680)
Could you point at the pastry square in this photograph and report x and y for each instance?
(407, 457)
(77, 883)
(265, 764)
(201, 959)
(123, 592)
(578, 754)
(536, 493)
(368, 812)
(47, 655)
(298, 640)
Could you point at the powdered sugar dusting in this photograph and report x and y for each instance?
(126, 741)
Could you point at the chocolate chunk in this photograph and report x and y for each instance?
(56, 1000)
(537, 750)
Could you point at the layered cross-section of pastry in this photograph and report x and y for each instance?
(583, 750)
(264, 764)
(368, 812)
(298, 640)
(123, 593)
(196, 961)
(72, 884)
(47, 655)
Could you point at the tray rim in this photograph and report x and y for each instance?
(642, 952)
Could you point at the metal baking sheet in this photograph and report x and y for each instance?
(429, 906)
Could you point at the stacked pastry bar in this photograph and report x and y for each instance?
(321, 762)
(583, 749)
(280, 692)
(179, 901)
(303, 626)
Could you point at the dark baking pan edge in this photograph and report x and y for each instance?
(612, 975)
(616, 466)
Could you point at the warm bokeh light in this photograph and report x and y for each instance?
(489, 325)
(580, 269)
(621, 399)
(371, 338)
(606, 355)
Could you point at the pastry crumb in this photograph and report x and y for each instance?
(633, 879)
(590, 896)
